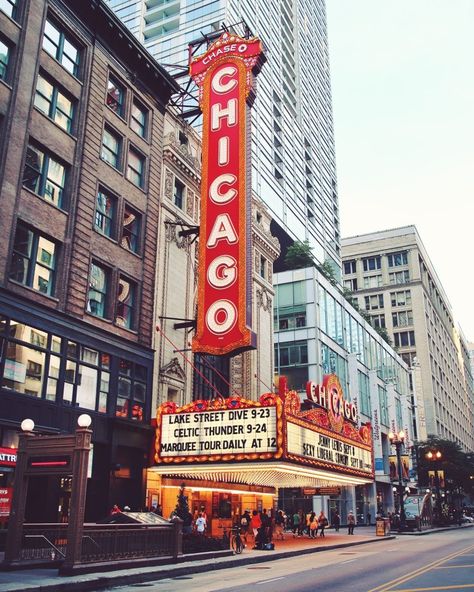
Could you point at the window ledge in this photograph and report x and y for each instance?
(33, 291)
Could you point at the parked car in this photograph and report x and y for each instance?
(466, 518)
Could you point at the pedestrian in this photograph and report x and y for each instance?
(245, 524)
(350, 523)
(255, 523)
(323, 522)
(302, 524)
(313, 526)
(369, 517)
(266, 525)
(279, 525)
(296, 524)
(200, 524)
(308, 521)
(336, 521)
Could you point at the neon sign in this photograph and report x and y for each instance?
(224, 75)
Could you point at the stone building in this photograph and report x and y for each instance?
(181, 376)
(81, 120)
(395, 282)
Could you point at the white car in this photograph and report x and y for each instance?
(466, 518)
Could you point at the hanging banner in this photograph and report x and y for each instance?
(224, 75)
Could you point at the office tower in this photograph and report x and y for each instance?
(293, 161)
(318, 333)
(395, 282)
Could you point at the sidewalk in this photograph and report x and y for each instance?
(47, 579)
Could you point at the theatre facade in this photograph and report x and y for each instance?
(235, 454)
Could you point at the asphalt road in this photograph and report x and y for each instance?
(436, 562)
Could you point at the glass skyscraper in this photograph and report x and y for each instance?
(293, 160)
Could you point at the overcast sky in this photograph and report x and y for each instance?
(403, 97)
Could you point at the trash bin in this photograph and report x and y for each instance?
(382, 526)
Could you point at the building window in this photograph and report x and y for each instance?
(53, 103)
(263, 267)
(397, 259)
(403, 318)
(131, 229)
(399, 277)
(293, 319)
(106, 206)
(87, 378)
(373, 302)
(373, 281)
(8, 7)
(404, 339)
(351, 284)
(131, 390)
(125, 305)
(138, 119)
(383, 405)
(44, 175)
(292, 354)
(364, 394)
(33, 260)
(402, 298)
(371, 263)
(378, 321)
(349, 266)
(136, 168)
(178, 195)
(57, 44)
(4, 55)
(115, 96)
(98, 288)
(111, 148)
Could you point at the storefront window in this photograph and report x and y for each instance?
(131, 390)
(44, 365)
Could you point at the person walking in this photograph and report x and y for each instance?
(322, 522)
(350, 523)
(245, 525)
(255, 523)
(313, 526)
(369, 517)
(279, 525)
(296, 524)
(336, 521)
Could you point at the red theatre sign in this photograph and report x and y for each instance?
(224, 75)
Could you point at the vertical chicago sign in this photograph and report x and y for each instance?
(225, 75)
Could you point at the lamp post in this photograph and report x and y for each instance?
(434, 456)
(398, 440)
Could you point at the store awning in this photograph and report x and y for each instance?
(272, 474)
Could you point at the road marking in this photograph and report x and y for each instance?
(397, 581)
(458, 587)
(349, 561)
(272, 580)
(453, 566)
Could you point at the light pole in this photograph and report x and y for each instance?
(398, 440)
(434, 456)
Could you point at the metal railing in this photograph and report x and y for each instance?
(101, 543)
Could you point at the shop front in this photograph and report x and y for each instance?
(235, 454)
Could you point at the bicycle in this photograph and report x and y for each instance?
(236, 542)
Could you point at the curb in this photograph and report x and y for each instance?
(433, 530)
(110, 581)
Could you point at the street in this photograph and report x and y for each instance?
(439, 561)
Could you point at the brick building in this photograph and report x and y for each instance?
(81, 120)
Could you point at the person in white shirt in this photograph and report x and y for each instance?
(200, 524)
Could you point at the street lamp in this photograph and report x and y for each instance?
(435, 456)
(398, 440)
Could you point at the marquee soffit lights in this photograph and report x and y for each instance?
(269, 474)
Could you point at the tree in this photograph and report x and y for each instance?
(328, 272)
(182, 509)
(458, 466)
(299, 255)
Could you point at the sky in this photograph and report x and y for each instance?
(402, 77)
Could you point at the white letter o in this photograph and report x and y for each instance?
(220, 327)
